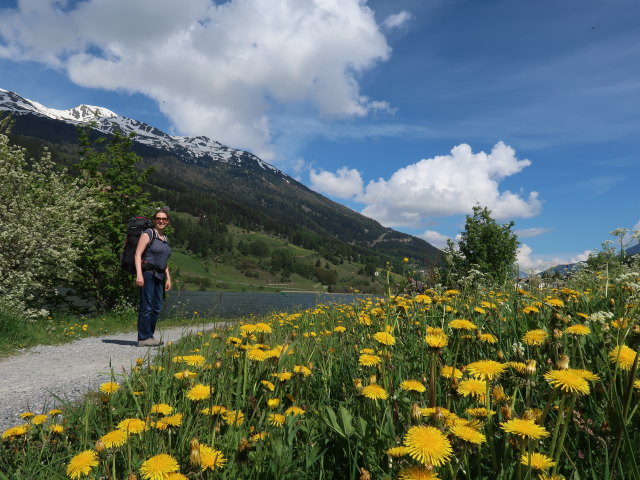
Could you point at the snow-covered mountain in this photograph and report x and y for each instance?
(197, 150)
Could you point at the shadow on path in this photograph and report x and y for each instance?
(130, 343)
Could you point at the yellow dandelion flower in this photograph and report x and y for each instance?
(544, 476)
(176, 476)
(199, 392)
(384, 338)
(114, 438)
(215, 410)
(436, 340)
(273, 402)
(534, 337)
(294, 411)
(211, 459)
(54, 411)
(259, 355)
(468, 434)
(399, 451)
(194, 360)
(158, 467)
(486, 369)
(519, 367)
(26, 415)
(185, 375)
(132, 425)
(413, 385)
(302, 370)
(530, 309)
(367, 360)
(448, 372)
(428, 445)
(539, 461)
(623, 356)
(161, 408)
(374, 392)
(488, 338)
(577, 330)
(473, 387)
(276, 419)
(479, 412)
(259, 436)
(426, 299)
(268, 385)
(417, 473)
(461, 324)
(81, 464)
(233, 417)
(479, 310)
(283, 376)
(452, 293)
(55, 428)
(16, 431)
(567, 381)
(555, 302)
(339, 329)
(174, 420)
(109, 388)
(39, 419)
(524, 428)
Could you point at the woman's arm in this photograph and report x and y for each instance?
(142, 244)
(167, 279)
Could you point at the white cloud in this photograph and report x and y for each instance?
(213, 69)
(529, 262)
(435, 238)
(345, 183)
(532, 232)
(449, 185)
(397, 19)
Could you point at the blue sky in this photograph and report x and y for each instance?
(409, 111)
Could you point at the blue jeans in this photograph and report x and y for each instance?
(150, 305)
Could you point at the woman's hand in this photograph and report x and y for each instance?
(167, 284)
(139, 280)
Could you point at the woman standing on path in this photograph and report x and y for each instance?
(152, 276)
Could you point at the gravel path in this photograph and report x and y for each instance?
(29, 380)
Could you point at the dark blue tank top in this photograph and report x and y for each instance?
(157, 252)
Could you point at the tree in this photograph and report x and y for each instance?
(43, 226)
(487, 246)
(113, 167)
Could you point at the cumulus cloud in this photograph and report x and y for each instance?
(449, 185)
(397, 19)
(214, 69)
(531, 232)
(435, 238)
(529, 262)
(345, 183)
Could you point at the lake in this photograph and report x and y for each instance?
(238, 304)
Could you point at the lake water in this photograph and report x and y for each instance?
(237, 304)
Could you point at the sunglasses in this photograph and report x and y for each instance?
(161, 219)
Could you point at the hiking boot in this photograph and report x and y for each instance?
(149, 342)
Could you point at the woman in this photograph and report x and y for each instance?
(152, 276)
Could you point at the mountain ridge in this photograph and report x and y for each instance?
(202, 166)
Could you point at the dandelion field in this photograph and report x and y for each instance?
(478, 384)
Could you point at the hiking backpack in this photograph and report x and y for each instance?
(135, 227)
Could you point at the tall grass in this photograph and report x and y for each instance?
(326, 393)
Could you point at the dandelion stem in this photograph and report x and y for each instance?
(559, 420)
(567, 414)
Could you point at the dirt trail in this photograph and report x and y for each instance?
(32, 379)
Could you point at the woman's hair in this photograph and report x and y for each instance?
(161, 210)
